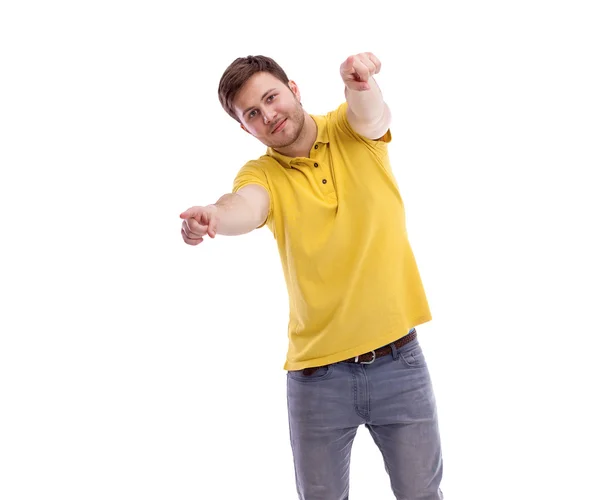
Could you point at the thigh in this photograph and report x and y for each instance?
(323, 424)
(404, 424)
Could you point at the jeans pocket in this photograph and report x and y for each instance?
(321, 373)
(413, 354)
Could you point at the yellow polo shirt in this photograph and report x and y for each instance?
(338, 219)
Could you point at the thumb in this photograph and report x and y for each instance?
(210, 219)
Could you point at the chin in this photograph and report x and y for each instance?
(287, 140)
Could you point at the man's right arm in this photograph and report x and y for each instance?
(233, 214)
(243, 211)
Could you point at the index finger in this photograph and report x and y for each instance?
(187, 214)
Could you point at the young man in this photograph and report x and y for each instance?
(326, 190)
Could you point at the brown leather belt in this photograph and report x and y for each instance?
(368, 357)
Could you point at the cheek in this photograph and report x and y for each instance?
(260, 130)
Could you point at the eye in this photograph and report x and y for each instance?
(252, 114)
(270, 98)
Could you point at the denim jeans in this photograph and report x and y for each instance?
(393, 397)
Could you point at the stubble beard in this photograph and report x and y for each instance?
(296, 119)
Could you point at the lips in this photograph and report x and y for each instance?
(279, 126)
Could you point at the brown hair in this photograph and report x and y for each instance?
(239, 72)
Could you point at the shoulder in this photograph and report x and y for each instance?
(340, 129)
(259, 166)
(264, 171)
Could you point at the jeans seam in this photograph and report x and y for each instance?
(356, 406)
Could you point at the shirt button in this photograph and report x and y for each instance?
(324, 181)
(316, 146)
(316, 165)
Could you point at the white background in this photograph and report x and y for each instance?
(133, 366)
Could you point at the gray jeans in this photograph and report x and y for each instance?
(393, 398)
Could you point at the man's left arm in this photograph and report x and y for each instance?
(368, 114)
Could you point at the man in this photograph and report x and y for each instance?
(326, 190)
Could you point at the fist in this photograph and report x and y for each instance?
(357, 69)
(197, 223)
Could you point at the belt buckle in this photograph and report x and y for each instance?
(365, 362)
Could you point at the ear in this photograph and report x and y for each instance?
(244, 128)
(295, 90)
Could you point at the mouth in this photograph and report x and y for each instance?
(279, 126)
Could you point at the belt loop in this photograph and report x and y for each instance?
(395, 354)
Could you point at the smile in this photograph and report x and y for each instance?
(279, 126)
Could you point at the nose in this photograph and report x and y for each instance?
(268, 116)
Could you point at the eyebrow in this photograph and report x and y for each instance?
(263, 96)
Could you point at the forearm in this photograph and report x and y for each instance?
(367, 106)
(235, 215)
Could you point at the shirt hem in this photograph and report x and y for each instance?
(350, 353)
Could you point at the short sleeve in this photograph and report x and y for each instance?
(253, 173)
(339, 119)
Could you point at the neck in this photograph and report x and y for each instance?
(301, 147)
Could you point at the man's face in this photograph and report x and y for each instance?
(270, 110)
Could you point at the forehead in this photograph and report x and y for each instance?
(253, 90)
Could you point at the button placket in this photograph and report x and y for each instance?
(323, 173)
